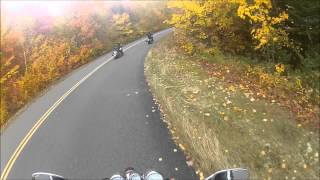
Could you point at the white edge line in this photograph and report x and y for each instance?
(67, 93)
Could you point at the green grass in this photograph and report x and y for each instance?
(221, 126)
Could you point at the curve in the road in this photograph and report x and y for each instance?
(25, 140)
(187, 173)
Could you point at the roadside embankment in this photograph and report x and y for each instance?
(221, 124)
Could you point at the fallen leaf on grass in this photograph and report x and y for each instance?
(195, 91)
(232, 88)
(201, 176)
(172, 131)
(182, 147)
(237, 109)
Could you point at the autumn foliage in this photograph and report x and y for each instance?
(39, 49)
(263, 28)
(281, 39)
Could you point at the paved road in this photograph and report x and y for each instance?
(103, 126)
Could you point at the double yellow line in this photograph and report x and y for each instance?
(25, 140)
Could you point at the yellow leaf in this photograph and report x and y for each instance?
(232, 88)
(182, 147)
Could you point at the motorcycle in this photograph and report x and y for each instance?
(117, 52)
(149, 40)
(132, 174)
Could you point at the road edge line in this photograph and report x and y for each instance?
(35, 127)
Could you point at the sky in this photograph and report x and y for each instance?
(53, 8)
(19, 12)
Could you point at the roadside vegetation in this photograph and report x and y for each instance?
(238, 85)
(221, 123)
(37, 47)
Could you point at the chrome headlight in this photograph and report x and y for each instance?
(117, 177)
(153, 175)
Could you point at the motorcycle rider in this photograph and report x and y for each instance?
(149, 35)
(118, 47)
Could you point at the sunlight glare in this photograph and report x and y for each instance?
(53, 8)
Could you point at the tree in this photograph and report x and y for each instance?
(36, 50)
(212, 23)
(122, 25)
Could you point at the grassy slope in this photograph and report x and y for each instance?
(221, 126)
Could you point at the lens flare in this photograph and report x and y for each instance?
(53, 8)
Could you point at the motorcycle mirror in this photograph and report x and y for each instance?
(46, 176)
(230, 174)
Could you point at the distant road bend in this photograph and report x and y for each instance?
(97, 121)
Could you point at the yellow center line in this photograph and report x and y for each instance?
(25, 140)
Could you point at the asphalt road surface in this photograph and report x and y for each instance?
(105, 123)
